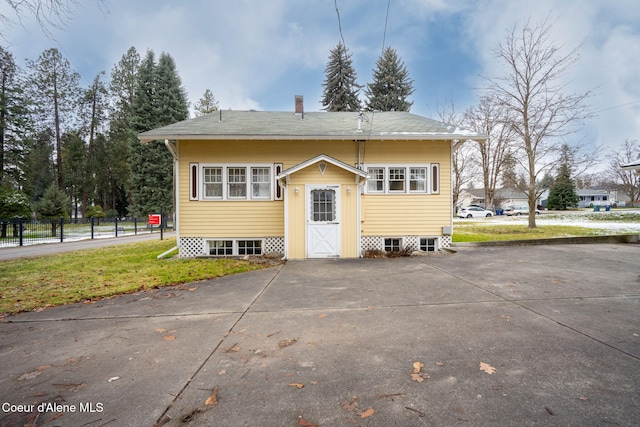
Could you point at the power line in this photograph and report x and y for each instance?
(335, 2)
(386, 18)
(617, 106)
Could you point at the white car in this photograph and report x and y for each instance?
(474, 212)
(518, 210)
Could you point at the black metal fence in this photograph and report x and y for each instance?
(22, 232)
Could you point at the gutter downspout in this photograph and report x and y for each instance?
(173, 149)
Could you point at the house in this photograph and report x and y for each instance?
(590, 197)
(311, 185)
(504, 197)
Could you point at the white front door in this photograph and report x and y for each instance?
(323, 224)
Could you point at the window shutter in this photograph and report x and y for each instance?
(277, 169)
(193, 181)
(435, 178)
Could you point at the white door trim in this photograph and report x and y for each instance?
(326, 227)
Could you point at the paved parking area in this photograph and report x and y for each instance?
(538, 335)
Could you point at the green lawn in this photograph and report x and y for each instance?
(475, 232)
(35, 283)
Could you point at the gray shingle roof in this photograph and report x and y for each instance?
(316, 125)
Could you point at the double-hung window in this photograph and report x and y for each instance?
(212, 182)
(260, 183)
(236, 182)
(375, 184)
(414, 179)
(397, 180)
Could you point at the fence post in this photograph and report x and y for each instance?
(20, 232)
(135, 226)
(116, 223)
(93, 221)
(61, 229)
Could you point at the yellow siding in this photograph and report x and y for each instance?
(347, 205)
(408, 214)
(245, 218)
(389, 215)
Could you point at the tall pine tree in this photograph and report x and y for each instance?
(206, 105)
(14, 121)
(53, 87)
(391, 85)
(160, 100)
(341, 89)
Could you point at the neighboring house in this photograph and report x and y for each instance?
(590, 197)
(631, 166)
(311, 185)
(504, 197)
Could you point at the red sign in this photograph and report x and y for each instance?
(154, 219)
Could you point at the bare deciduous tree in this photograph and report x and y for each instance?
(463, 159)
(490, 118)
(534, 92)
(47, 13)
(626, 181)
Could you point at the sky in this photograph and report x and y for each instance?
(257, 54)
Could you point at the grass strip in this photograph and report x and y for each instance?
(487, 233)
(34, 283)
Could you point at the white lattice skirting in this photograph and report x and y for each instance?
(377, 242)
(191, 247)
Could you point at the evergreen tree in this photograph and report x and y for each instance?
(115, 182)
(39, 169)
(341, 90)
(53, 205)
(160, 100)
(53, 87)
(206, 105)
(94, 105)
(14, 120)
(391, 85)
(562, 193)
(75, 164)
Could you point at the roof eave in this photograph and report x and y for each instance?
(354, 137)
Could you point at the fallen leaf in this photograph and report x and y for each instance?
(169, 337)
(417, 377)
(287, 343)
(439, 364)
(367, 413)
(222, 372)
(112, 379)
(322, 316)
(233, 348)
(349, 406)
(487, 368)
(161, 330)
(305, 423)
(298, 385)
(213, 399)
(417, 366)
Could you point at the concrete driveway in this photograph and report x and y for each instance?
(537, 335)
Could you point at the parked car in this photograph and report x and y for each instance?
(518, 210)
(473, 212)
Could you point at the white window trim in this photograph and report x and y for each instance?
(235, 245)
(225, 182)
(436, 242)
(407, 176)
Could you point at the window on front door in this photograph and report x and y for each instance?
(323, 205)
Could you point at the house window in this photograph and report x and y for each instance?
(410, 178)
(212, 182)
(323, 208)
(237, 183)
(396, 179)
(428, 244)
(249, 247)
(418, 180)
(260, 183)
(392, 244)
(221, 247)
(375, 184)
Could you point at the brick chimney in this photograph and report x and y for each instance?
(299, 104)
